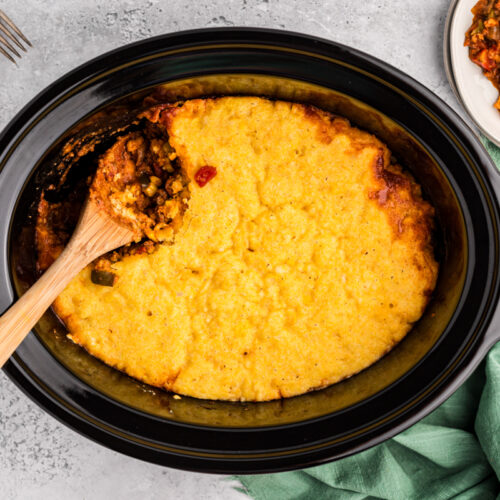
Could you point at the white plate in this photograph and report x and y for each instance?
(475, 92)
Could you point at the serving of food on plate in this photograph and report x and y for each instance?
(472, 61)
(284, 250)
(483, 40)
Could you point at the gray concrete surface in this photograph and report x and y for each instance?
(40, 458)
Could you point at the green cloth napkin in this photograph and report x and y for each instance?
(452, 453)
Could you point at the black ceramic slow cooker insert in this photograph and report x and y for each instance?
(426, 136)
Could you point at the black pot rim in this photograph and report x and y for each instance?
(114, 438)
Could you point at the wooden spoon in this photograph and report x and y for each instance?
(95, 234)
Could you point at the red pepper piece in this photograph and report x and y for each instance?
(204, 175)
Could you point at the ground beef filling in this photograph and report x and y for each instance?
(138, 182)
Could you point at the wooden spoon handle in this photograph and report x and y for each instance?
(18, 321)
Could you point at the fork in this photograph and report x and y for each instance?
(12, 34)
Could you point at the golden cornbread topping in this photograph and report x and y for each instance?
(302, 257)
